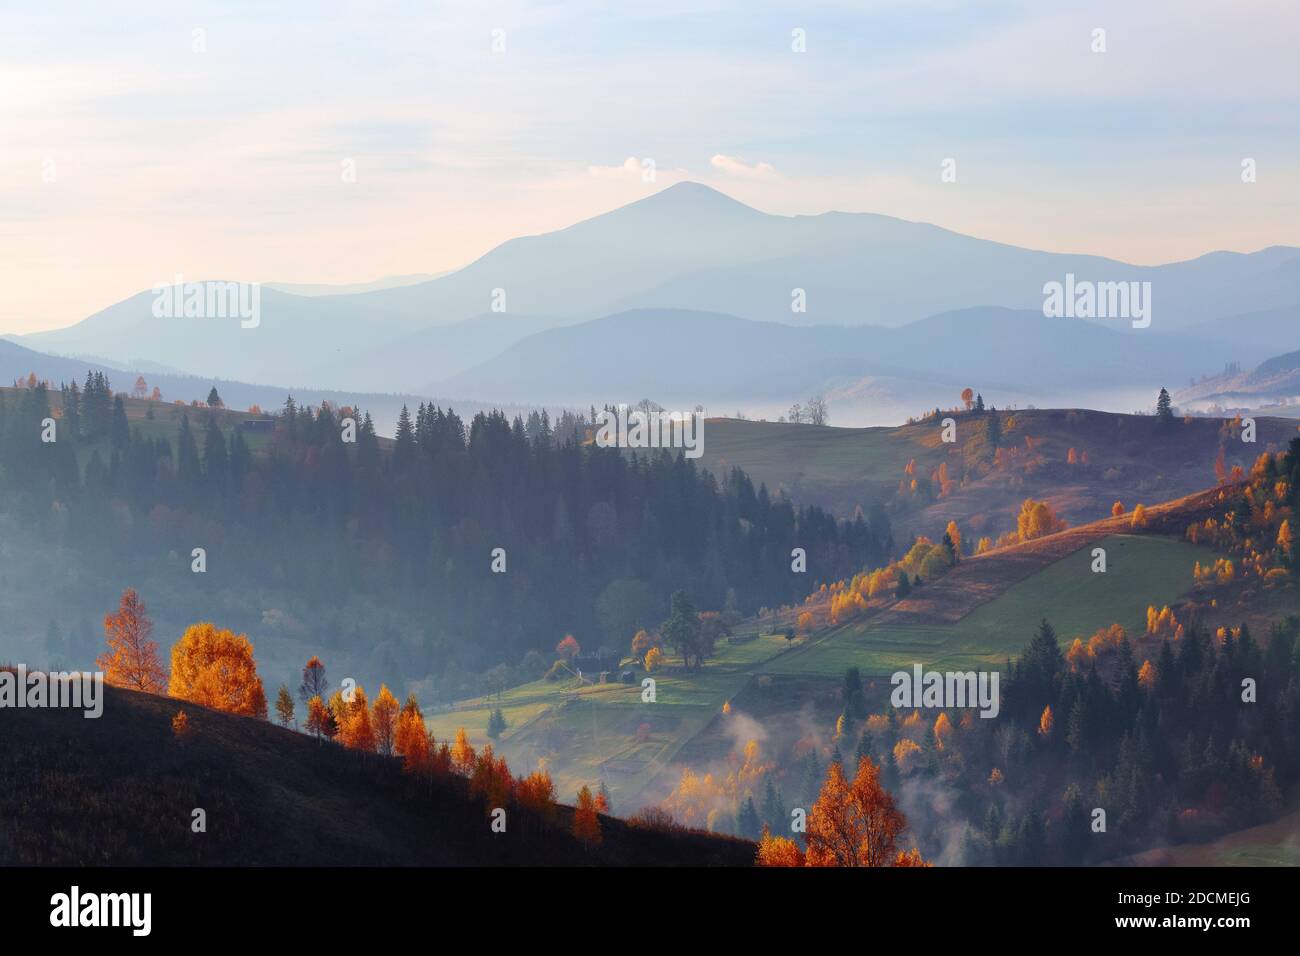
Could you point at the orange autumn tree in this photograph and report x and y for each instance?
(384, 716)
(318, 718)
(535, 794)
(586, 825)
(856, 824)
(411, 741)
(1046, 722)
(214, 667)
(778, 851)
(356, 728)
(132, 659)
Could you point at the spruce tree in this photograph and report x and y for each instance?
(748, 824)
(993, 428)
(1164, 407)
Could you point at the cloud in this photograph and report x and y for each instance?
(735, 166)
(630, 168)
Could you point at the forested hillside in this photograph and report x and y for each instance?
(306, 533)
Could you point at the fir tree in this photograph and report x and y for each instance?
(1164, 407)
(748, 824)
(496, 724)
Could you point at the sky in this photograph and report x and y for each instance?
(343, 142)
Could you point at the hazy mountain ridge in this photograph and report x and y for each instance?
(687, 247)
(688, 358)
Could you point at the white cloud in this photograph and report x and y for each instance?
(735, 166)
(630, 168)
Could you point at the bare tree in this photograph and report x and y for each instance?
(818, 412)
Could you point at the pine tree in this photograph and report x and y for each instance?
(404, 449)
(496, 724)
(214, 400)
(121, 431)
(993, 428)
(774, 809)
(1075, 829)
(748, 824)
(216, 461)
(855, 706)
(1164, 407)
(188, 470)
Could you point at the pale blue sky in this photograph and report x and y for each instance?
(126, 156)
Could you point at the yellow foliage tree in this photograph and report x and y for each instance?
(942, 730)
(462, 754)
(654, 659)
(1147, 675)
(1139, 519)
(214, 667)
(1037, 519)
(954, 535)
(1117, 509)
(384, 716)
(905, 752)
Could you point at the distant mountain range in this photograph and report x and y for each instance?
(1273, 386)
(682, 358)
(689, 292)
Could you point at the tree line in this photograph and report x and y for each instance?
(592, 540)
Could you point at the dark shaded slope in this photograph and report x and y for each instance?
(120, 790)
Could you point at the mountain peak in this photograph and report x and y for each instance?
(688, 197)
(695, 194)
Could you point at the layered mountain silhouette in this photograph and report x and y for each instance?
(691, 249)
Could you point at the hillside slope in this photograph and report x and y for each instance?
(120, 790)
(1130, 458)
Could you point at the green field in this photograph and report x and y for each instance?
(591, 732)
(1140, 571)
(595, 732)
(1270, 844)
